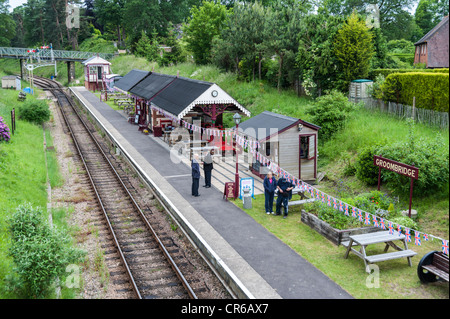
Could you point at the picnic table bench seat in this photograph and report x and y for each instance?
(388, 256)
(435, 265)
(301, 201)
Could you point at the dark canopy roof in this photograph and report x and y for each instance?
(176, 95)
(151, 85)
(180, 94)
(131, 79)
(265, 124)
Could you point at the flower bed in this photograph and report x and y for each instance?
(336, 236)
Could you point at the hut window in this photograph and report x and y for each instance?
(267, 148)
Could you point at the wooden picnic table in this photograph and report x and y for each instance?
(363, 240)
(124, 104)
(120, 98)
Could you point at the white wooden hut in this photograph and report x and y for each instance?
(95, 68)
(289, 142)
(11, 82)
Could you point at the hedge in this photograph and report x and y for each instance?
(385, 72)
(429, 89)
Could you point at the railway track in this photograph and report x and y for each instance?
(151, 269)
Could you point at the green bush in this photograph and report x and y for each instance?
(429, 89)
(428, 155)
(40, 252)
(406, 222)
(366, 171)
(35, 111)
(385, 72)
(330, 112)
(425, 154)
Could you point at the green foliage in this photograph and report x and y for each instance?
(330, 112)
(427, 154)
(431, 90)
(40, 252)
(315, 57)
(354, 49)
(147, 48)
(176, 54)
(406, 222)
(96, 44)
(35, 111)
(205, 23)
(401, 46)
(376, 89)
(385, 72)
(365, 170)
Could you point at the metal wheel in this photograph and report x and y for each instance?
(424, 275)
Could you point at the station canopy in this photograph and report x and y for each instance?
(131, 79)
(180, 96)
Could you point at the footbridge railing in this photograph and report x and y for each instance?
(46, 54)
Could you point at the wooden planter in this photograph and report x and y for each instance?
(336, 236)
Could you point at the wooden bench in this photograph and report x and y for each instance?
(302, 201)
(432, 266)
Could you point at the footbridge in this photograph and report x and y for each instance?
(49, 55)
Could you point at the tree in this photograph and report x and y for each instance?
(283, 27)
(353, 47)
(205, 23)
(147, 48)
(241, 41)
(394, 15)
(315, 58)
(7, 25)
(111, 12)
(429, 13)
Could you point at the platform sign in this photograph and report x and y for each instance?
(228, 191)
(247, 183)
(400, 168)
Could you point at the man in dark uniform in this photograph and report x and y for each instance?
(195, 175)
(208, 167)
(284, 195)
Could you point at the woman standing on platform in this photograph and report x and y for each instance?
(270, 185)
(195, 175)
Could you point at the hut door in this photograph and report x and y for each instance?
(99, 72)
(307, 166)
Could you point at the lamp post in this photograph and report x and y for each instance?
(237, 120)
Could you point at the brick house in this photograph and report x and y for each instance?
(432, 49)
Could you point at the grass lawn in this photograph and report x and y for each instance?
(23, 178)
(22, 173)
(397, 279)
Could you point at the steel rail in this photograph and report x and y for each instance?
(141, 214)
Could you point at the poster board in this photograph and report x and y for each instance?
(249, 183)
(228, 191)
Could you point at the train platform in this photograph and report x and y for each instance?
(253, 262)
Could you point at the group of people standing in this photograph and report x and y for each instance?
(208, 166)
(283, 187)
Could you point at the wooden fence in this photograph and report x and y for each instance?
(425, 116)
